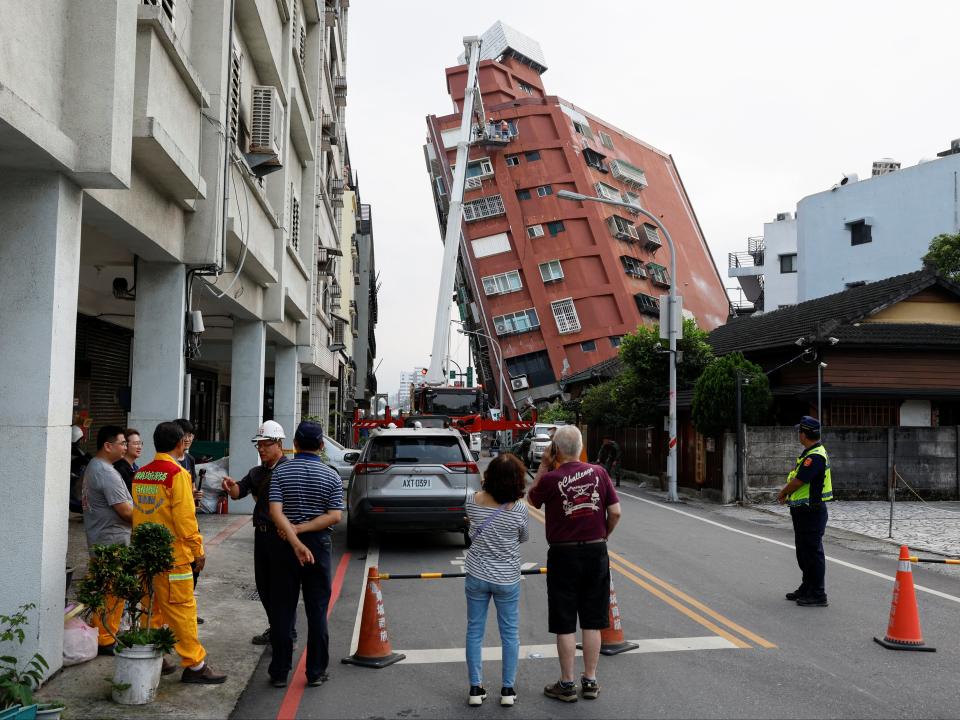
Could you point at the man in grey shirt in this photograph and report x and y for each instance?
(107, 517)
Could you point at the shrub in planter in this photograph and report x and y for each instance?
(17, 682)
(127, 573)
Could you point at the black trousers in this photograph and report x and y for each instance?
(809, 523)
(288, 578)
(261, 572)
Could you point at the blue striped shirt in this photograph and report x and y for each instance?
(307, 487)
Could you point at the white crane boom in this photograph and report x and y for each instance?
(437, 374)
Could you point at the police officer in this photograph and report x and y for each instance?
(809, 487)
(269, 441)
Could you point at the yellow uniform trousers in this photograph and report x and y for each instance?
(175, 606)
(112, 613)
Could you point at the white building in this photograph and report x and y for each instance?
(417, 376)
(857, 231)
(119, 122)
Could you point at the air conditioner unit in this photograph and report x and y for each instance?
(473, 183)
(784, 216)
(266, 125)
(519, 383)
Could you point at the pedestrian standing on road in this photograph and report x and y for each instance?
(162, 493)
(582, 509)
(107, 515)
(189, 463)
(127, 465)
(498, 524)
(306, 501)
(609, 458)
(269, 441)
(809, 488)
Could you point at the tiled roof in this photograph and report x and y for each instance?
(607, 369)
(836, 314)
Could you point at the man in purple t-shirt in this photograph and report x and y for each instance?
(582, 508)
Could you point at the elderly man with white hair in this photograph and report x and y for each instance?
(582, 509)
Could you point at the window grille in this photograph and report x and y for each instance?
(484, 207)
(606, 191)
(647, 304)
(652, 234)
(659, 274)
(862, 413)
(294, 220)
(565, 314)
(606, 140)
(632, 266)
(236, 65)
(631, 174)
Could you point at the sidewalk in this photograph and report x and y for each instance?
(232, 613)
(930, 527)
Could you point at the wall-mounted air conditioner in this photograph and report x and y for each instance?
(519, 383)
(266, 127)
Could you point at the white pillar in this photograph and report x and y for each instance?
(157, 388)
(286, 389)
(39, 276)
(247, 363)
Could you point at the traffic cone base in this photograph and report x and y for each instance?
(611, 638)
(903, 630)
(373, 646)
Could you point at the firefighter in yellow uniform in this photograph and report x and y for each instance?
(163, 493)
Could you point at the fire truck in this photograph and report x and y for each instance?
(466, 408)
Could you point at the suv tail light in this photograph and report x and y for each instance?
(369, 468)
(467, 467)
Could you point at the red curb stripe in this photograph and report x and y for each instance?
(229, 530)
(291, 701)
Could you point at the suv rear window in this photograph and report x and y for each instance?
(415, 450)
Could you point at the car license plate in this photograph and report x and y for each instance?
(416, 483)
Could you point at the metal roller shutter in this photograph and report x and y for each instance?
(103, 362)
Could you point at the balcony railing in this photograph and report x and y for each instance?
(484, 207)
(745, 259)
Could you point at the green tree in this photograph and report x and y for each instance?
(715, 394)
(601, 405)
(557, 412)
(944, 255)
(645, 383)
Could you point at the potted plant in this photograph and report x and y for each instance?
(126, 573)
(17, 682)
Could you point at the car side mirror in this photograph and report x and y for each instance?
(351, 457)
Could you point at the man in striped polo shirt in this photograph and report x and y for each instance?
(306, 501)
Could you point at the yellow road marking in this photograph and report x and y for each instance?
(620, 564)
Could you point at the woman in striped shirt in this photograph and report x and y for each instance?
(498, 524)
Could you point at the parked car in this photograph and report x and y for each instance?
(410, 480)
(339, 458)
(539, 440)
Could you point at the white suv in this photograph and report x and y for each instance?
(539, 441)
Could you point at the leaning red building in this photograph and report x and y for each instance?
(558, 283)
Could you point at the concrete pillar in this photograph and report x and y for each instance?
(157, 388)
(247, 363)
(286, 389)
(39, 277)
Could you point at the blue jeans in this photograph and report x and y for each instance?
(507, 600)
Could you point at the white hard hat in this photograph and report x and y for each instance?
(75, 434)
(417, 425)
(391, 426)
(270, 430)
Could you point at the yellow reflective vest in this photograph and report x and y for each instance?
(163, 493)
(801, 496)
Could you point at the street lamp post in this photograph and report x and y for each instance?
(496, 345)
(672, 333)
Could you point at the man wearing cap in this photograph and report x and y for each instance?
(809, 487)
(269, 442)
(306, 501)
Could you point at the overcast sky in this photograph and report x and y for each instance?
(760, 104)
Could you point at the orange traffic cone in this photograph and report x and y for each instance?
(611, 639)
(373, 647)
(903, 632)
